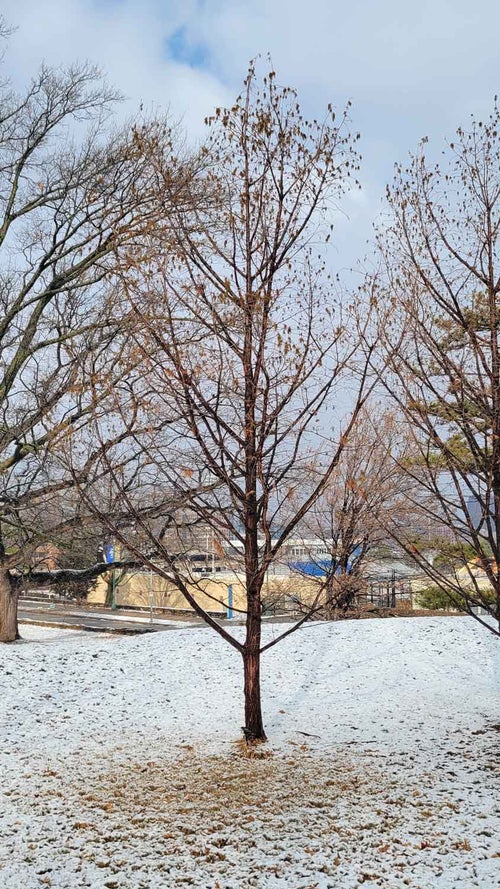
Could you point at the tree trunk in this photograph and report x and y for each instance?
(9, 631)
(254, 726)
(330, 608)
(110, 592)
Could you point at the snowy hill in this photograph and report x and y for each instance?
(119, 767)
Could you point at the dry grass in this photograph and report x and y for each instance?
(193, 818)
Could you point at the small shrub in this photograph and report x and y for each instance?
(436, 599)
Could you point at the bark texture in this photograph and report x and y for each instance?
(9, 630)
(254, 726)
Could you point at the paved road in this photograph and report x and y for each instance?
(97, 621)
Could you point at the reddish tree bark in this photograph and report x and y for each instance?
(254, 724)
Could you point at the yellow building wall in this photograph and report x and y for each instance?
(146, 589)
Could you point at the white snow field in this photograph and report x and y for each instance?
(119, 767)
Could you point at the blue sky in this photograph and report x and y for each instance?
(410, 69)
(180, 48)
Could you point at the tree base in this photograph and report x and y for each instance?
(9, 631)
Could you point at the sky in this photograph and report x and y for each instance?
(410, 69)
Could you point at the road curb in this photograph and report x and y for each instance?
(116, 631)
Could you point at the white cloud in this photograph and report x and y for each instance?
(127, 40)
(410, 69)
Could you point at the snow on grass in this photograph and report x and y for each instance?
(119, 767)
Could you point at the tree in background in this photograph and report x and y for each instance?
(438, 300)
(366, 495)
(246, 349)
(67, 211)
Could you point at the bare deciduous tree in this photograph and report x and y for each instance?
(438, 296)
(73, 196)
(366, 495)
(246, 348)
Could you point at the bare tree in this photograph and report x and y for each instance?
(366, 495)
(438, 297)
(74, 196)
(246, 348)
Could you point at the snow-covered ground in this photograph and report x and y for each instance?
(119, 767)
